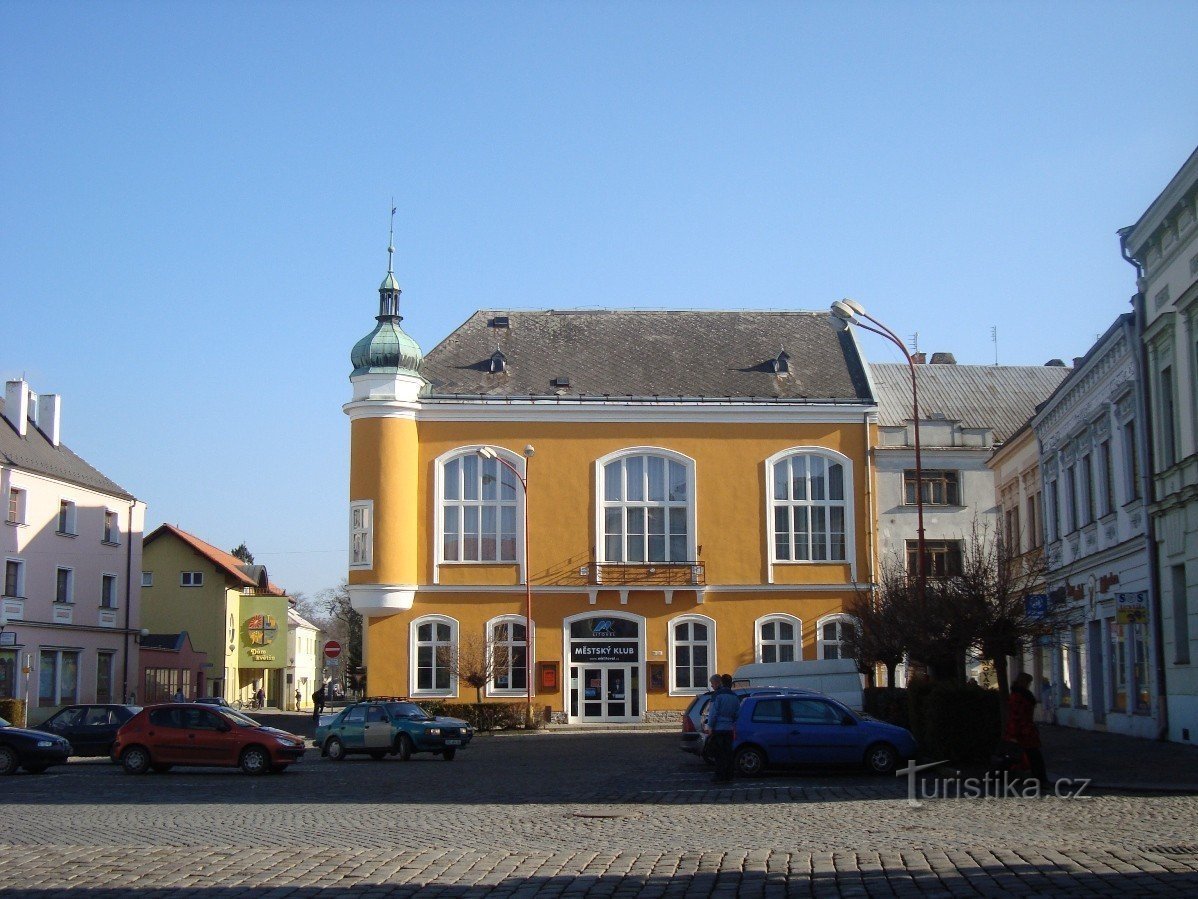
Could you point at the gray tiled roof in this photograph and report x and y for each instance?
(999, 397)
(34, 452)
(623, 353)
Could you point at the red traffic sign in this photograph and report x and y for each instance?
(332, 649)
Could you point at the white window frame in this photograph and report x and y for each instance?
(850, 509)
(491, 689)
(116, 582)
(191, 579)
(20, 563)
(841, 618)
(67, 525)
(58, 654)
(147, 579)
(691, 504)
(18, 499)
(70, 591)
(438, 508)
(759, 641)
(712, 667)
(113, 536)
(366, 531)
(414, 627)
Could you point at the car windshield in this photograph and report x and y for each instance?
(408, 710)
(4, 723)
(238, 718)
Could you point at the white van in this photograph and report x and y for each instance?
(838, 678)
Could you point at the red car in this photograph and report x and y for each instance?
(161, 736)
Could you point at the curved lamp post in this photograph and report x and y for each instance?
(488, 452)
(848, 312)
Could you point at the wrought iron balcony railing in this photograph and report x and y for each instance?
(691, 573)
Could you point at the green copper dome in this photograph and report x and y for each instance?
(389, 283)
(386, 349)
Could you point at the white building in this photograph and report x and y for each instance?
(1163, 245)
(304, 649)
(71, 544)
(1099, 669)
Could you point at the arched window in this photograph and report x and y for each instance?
(479, 501)
(692, 653)
(647, 511)
(810, 506)
(779, 639)
(507, 643)
(832, 632)
(434, 656)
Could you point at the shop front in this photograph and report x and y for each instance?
(606, 660)
(262, 654)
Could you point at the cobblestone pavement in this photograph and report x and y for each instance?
(609, 815)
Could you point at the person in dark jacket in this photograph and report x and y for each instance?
(721, 718)
(1021, 726)
(318, 703)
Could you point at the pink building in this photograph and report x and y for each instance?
(71, 544)
(169, 663)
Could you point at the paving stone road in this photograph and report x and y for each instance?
(571, 815)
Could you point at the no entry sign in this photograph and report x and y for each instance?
(332, 649)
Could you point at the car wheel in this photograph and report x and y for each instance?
(36, 769)
(161, 769)
(378, 755)
(335, 749)
(254, 760)
(750, 761)
(8, 760)
(448, 754)
(881, 758)
(403, 745)
(136, 760)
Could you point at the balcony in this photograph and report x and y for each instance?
(691, 573)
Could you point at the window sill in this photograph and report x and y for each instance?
(16, 524)
(425, 694)
(810, 562)
(110, 543)
(108, 608)
(688, 691)
(64, 602)
(66, 534)
(509, 562)
(507, 694)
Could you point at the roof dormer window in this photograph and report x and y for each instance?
(498, 362)
(781, 363)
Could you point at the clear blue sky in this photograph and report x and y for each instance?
(194, 199)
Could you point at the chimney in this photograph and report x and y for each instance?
(16, 405)
(1055, 363)
(1077, 361)
(944, 359)
(49, 416)
(919, 358)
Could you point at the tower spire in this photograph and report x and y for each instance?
(389, 290)
(391, 239)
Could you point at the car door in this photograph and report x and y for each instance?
(767, 726)
(376, 731)
(65, 724)
(213, 739)
(95, 732)
(351, 728)
(166, 736)
(818, 735)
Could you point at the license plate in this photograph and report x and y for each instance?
(453, 742)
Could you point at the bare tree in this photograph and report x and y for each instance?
(475, 660)
(880, 636)
(344, 622)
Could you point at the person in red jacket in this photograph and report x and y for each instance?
(1021, 728)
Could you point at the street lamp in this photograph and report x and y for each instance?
(848, 312)
(488, 452)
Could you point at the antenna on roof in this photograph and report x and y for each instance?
(994, 338)
(913, 341)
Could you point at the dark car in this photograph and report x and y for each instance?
(381, 727)
(161, 736)
(90, 729)
(694, 738)
(33, 750)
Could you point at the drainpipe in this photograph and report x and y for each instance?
(1140, 356)
(128, 598)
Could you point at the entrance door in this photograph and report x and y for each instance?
(608, 693)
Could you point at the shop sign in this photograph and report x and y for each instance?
(1035, 606)
(260, 655)
(604, 651)
(263, 622)
(1131, 608)
(8, 638)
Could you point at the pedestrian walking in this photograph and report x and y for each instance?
(318, 703)
(721, 718)
(179, 697)
(299, 698)
(260, 699)
(1021, 726)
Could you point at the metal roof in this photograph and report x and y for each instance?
(999, 397)
(647, 354)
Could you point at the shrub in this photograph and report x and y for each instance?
(958, 722)
(888, 704)
(12, 710)
(488, 716)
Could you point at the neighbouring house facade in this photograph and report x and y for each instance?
(304, 652)
(697, 498)
(169, 663)
(1163, 245)
(1099, 667)
(71, 540)
(230, 610)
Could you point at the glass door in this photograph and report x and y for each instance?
(593, 704)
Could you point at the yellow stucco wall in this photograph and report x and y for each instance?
(167, 607)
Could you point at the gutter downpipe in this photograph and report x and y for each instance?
(1140, 354)
(128, 599)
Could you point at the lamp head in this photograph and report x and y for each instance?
(487, 453)
(854, 305)
(144, 632)
(842, 311)
(529, 450)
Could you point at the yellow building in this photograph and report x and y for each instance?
(698, 498)
(230, 610)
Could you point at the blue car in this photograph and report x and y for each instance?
(382, 727)
(813, 729)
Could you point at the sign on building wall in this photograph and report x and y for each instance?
(263, 627)
(1131, 608)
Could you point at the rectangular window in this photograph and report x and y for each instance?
(943, 557)
(1081, 676)
(1035, 531)
(1118, 662)
(1168, 424)
(1108, 478)
(112, 529)
(14, 578)
(1013, 537)
(16, 506)
(1131, 460)
(108, 591)
(1142, 671)
(1069, 523)
(940, 488)
(65, 586)
(1052, 512)
(58, 677)
(1065, 660)
(1181, 616)
(1085, 490)
(361, 534)
(147, 579)
(191, 579)
(104, 661)
(66, 518)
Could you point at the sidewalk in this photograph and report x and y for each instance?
(1116, 762)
